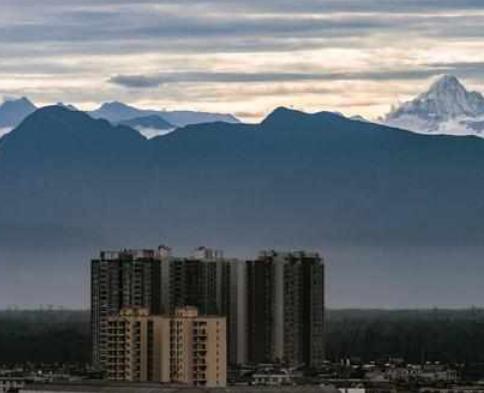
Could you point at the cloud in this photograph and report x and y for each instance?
(267, 6)
(143, 27)
(83, 51)
(469, 69)
(336, 6)
(155, 80)
(136, 81)
(225, 24)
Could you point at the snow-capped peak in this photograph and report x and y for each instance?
(448, 93)
(447, 100)
(451, 99)
(446, 83)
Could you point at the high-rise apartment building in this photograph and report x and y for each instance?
(286, 308)
(129, 278)
(274, 305)
(185, 348)
(235, 308)
(159, 282)
(196, 282)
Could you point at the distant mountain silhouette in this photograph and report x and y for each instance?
(398, 215)
(56, 133)
(12, 112)
(117, 112)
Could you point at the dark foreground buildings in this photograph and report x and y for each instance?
(274, 305)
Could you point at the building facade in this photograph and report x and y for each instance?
(161, 283)
(128, 278)
(198, 348)
(274, 305)
(135, 342)
(286, 308)
(184, 348)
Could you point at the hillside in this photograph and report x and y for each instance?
(397, 215)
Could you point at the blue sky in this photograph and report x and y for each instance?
(245, 57)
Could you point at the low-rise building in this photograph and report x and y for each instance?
(272, 378)
(184, 348)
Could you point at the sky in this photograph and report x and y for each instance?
(244, 57)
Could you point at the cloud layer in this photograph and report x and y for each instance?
(356, 56)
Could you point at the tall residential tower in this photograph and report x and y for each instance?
(128, 278)
(156, 281)
(274, 305)
(286, 308)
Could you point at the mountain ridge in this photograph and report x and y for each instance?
(116, 112)
(14, 111)
(382, 205)
(150, 126)
(445, 108)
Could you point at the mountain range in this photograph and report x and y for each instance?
(148, 122)
(117, 112)
(397, 215)
(447, 108)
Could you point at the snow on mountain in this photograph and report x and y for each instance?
(359, 118)
(446, 108)
(4, 130)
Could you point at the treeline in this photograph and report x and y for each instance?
(44, 336)
(452, 336)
